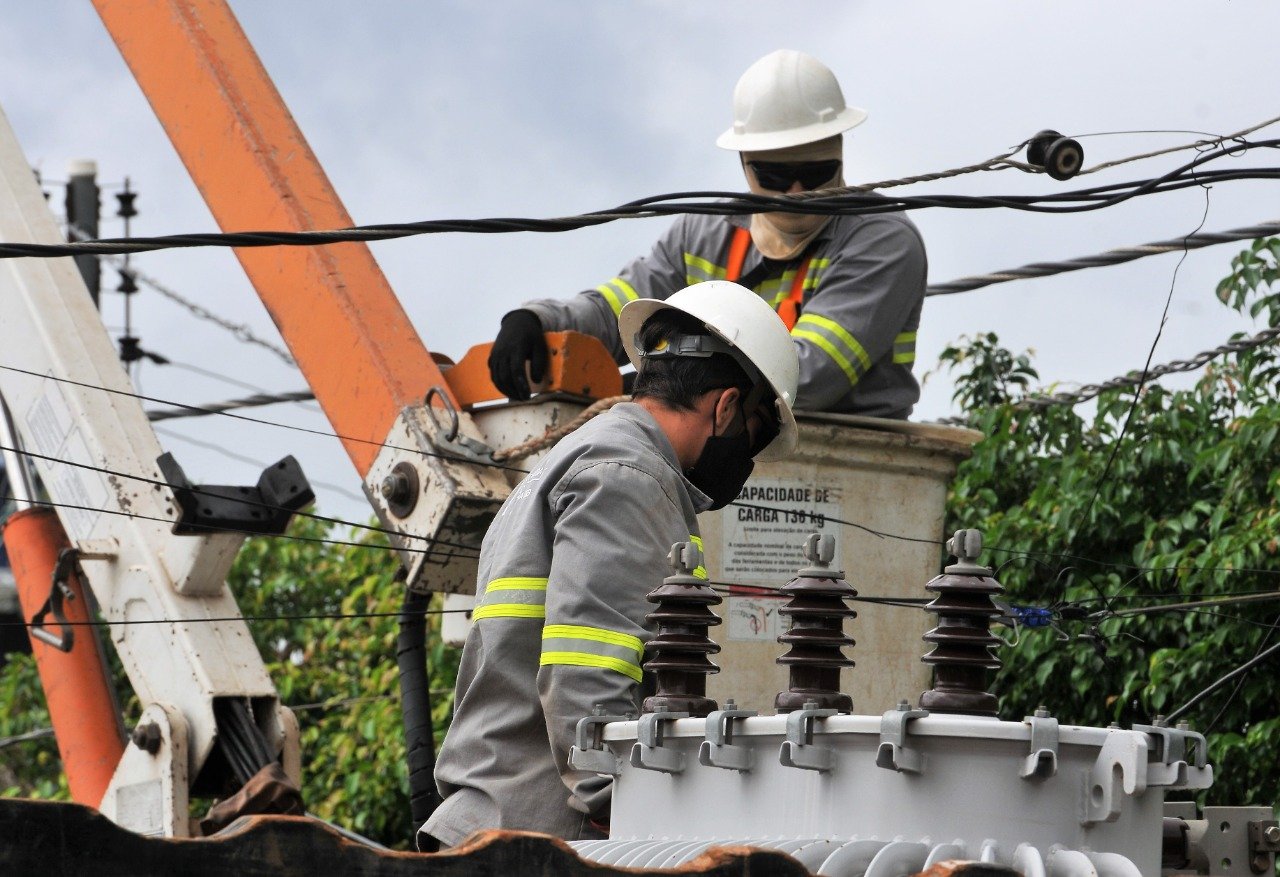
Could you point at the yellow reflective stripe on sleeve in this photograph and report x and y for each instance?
(611, 291)
(841, 334)
(509, 610)
(517, 583)
(830, 349)
(709, 269)
(582, 659)
(595, 634)
(611, 297)
(904, 348)
(701, 571)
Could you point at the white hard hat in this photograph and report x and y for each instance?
(747, 324)
(787, 98)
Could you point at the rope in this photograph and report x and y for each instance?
(239, 330)
(1109, 257)
(551, 436)
(253, 401)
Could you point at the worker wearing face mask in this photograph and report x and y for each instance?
(848, 288)
(565, 567)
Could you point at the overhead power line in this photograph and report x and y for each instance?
(841, 201)
(1109, 257)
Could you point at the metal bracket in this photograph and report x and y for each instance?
(1264, 843)
(718, 749)
(588, 752)
(1119, 770)
(452, 440)
(1042, 763)
(59, 590)
(798, 750)
(281, 490)
(648, 753)
(894, 753)
(1168, 758)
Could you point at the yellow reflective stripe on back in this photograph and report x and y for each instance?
(841, 334)
(582, 659)
(847, 367)
(517, 583)
(595, 634)
(509, 610)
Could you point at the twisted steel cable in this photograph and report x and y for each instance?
(1109, 257)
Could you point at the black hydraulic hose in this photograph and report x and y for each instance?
(415, 706)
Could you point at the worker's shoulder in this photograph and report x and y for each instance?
(884, 229)
(622, 450)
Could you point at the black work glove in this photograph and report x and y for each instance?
(519, 340)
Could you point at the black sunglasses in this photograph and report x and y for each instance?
(777, 176)
(769, 426)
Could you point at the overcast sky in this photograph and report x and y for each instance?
(425, 110)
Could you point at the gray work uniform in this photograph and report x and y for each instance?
(559, 626)
(856, 336)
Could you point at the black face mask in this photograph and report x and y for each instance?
(724, 466)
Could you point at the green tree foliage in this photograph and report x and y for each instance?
(1185, 505)
(340, 674)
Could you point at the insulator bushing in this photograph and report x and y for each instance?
(962, 642)
(816, 636)
(679, 651)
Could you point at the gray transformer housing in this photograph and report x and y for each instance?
(910, 787)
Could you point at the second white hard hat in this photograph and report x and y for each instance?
(787, 98)
(745, 322)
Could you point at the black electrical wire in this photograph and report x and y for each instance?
(41, 503)
(265, 505)
(1137, 392)
(1239, 671)
(823, 202)
(240, 458)
(258, 420)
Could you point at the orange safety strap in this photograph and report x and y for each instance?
(738, 246)
(788, 308)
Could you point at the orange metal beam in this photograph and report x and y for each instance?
(336, 311)
(82, 708)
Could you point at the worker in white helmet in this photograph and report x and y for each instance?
(848, 288)
(564, 568)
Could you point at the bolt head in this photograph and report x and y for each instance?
(1042, 712)
(1272, 834)
(147, 737)
(904, 705)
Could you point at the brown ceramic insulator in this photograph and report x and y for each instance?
(678, 653)
(962, 642)
(816, 636)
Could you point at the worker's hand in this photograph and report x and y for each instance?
(519, 341)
